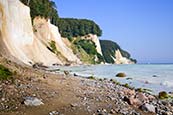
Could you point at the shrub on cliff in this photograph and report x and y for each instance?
(5, 73)
(88, 45)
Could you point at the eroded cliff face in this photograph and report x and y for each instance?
(47, 33)
(120, 59)
(41, 42)
(16, 35)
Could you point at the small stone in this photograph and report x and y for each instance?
(98, 111)
(74, 105)
(148, 107)
(3, 99)
(54, 113)
(150, 97)
(135, 113)
(104, 110)
(166, 103)
(105, 79)
(66, 72)
(33, 101)
(112, 111)
(154, 76)
(75, 74)
(166, 113)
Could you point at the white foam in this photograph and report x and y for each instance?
(167, 83)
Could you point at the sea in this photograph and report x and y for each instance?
(156, 77)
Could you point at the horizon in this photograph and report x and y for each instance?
(143, 28)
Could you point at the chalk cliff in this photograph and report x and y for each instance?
(41, 42)
(47, 32)
(17, 37)
(120, 59)
(114, 54)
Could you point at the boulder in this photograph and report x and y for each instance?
(142, 97)
(133, 101)
(121, 75)
(163, 95)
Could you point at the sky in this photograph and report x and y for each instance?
(142, 27)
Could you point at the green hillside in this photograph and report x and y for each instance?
(108, 50)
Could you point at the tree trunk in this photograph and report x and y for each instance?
(28, 2)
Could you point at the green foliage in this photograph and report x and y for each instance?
(70, 27)
(90, 48)
(134, 60)
(108, 50)
(52, 47)
(91, 77)
(43, 8)
(144, 90)
(82, 54)
(128, 86)
(113, 81)
(88, 45)
(101, 58)
(163, 95)
(5, 73)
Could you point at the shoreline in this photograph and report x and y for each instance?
(72, 95)
(139, 76)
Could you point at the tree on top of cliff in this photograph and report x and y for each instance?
(70, 27)
(44, 8)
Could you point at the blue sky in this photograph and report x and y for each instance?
(142, 27)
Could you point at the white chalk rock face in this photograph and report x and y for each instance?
(119, 59)
(47, 32)
(16, 34)
(95, 39)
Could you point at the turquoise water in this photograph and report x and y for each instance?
(157, 77)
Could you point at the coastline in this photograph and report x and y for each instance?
(70, 95)
(154, 77)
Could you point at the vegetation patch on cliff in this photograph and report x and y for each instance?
(52, 47)
(5, 73)
(86, 51)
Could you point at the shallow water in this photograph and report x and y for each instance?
(157, 77)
